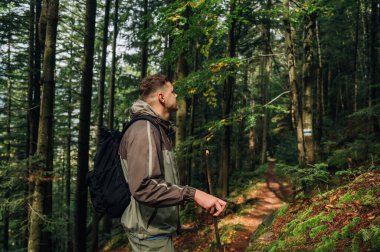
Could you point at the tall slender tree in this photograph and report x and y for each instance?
(307, 81)
(265, 80)
(95, 216)
(227, 95)
(113, 67)
(292, 73)
(40, 240)
(84, 129)
(182, 70)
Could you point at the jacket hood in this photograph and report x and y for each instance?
(140, 107)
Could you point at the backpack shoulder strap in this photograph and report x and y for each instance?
(139, 118)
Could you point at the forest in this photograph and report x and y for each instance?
(279, 114)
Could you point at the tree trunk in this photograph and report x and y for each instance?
(84, 129)
(69, 244)
(33, 98)
(355, 61)
(113, 67)
(95, 218)
(181, 72)
(266, 72)
(5, 211)
(227, 95)
(296, 102)
(106, 222)
(192, 162)
(40, 240)
(373, 51)
(69, 241)
(319, 112)
(374, 60)
(145, 40)
(307, 99)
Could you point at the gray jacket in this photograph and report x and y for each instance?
(150, 169)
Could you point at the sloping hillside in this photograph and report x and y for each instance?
(344, 219)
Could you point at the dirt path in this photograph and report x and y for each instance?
(235, 228)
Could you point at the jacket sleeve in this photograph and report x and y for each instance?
(146, 182)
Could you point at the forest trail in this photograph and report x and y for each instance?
(236, 226)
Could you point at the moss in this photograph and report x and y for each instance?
(313, 222)
(370, 199)
(356, 242)
(375, 240)
(282, 210)
(349, 197)
(346, 229)
(314, 232)
(227, 233)
(325, 246)
(302, 227)
(207, 230)
(291, 225)
(335, 235)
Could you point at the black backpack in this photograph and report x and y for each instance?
(109, 190)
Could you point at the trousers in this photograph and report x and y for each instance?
(158, 244)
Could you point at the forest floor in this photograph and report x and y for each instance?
(243, 215)
(346, 218)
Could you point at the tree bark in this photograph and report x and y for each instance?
(100, 119)
(296, 102)
(40, 240)
(355, 61)
(227, 95)
(33, 101)
(307, 81)
(181, 72)
(113, 67)
(68, 175)
(266, 72)
(319, 112)
(373, 51)
(84, 129)
(374, 60)
(69, 244)
(5, 211)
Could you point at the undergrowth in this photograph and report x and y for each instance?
(345, 218)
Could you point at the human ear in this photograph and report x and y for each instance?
(161, 98)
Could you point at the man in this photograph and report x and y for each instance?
(148, 163)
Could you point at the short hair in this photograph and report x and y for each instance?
(151, 84)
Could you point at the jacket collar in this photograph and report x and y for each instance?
(140, 107)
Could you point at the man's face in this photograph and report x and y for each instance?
(170, 98)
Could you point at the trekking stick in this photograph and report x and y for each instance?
(209, 183)
(217, 234)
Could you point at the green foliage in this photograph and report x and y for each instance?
(363, 147)
(366, 235)
(315, 231)
(227, 233)
(346, 230)
(282, 210)
(350, 196)
(326, 245)
(312, 175)
(375, 241)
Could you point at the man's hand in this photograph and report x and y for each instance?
(209, 202)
